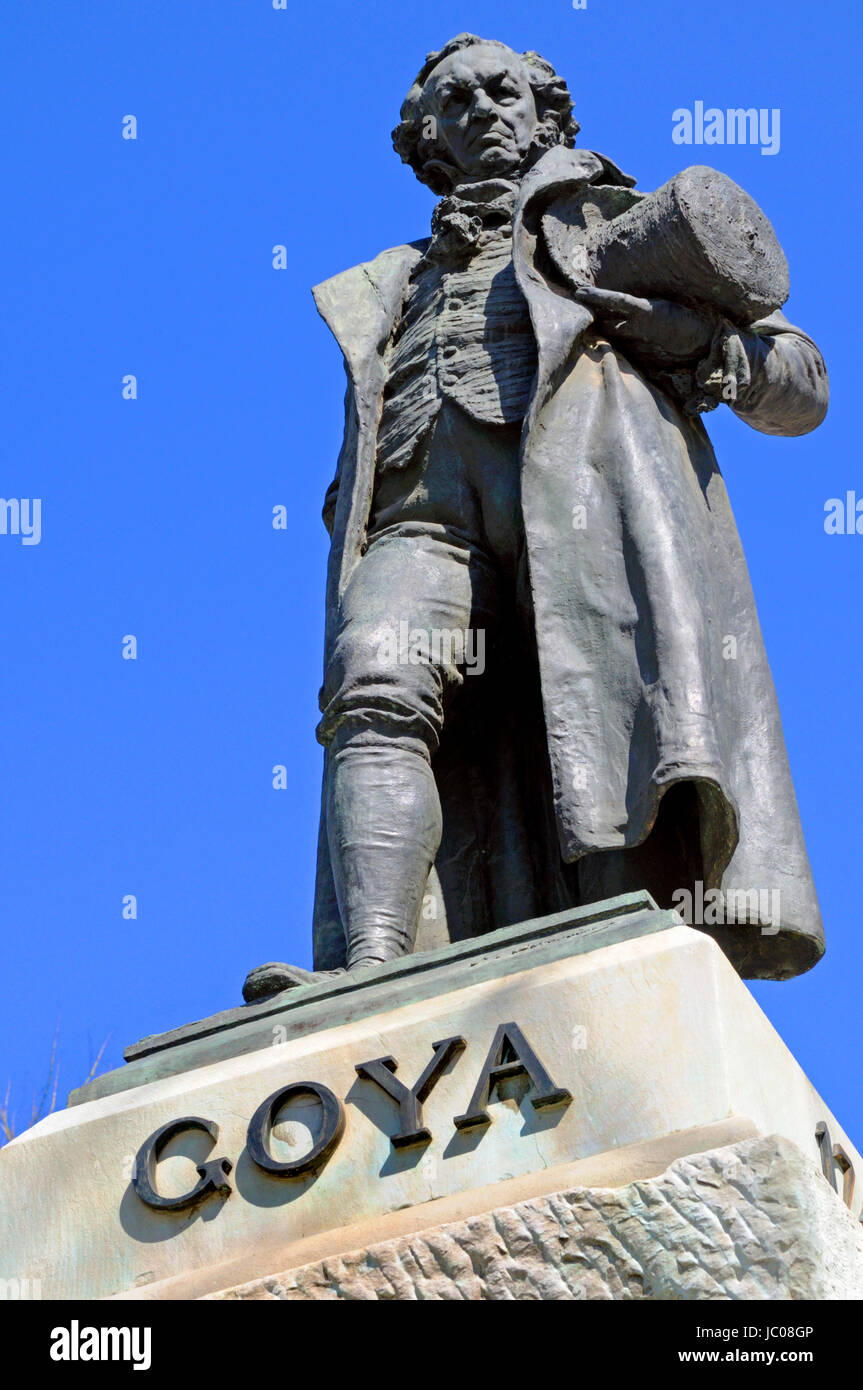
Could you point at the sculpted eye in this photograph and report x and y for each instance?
(455, 98)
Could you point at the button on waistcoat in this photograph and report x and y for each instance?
(464, 333)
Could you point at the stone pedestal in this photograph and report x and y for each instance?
(753, 1220)
(615, 1118)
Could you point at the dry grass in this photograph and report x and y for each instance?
(45, 1102)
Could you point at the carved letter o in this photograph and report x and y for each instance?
(261, 1128)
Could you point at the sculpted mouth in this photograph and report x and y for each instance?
(493, 137)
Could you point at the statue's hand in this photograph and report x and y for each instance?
(667, 333)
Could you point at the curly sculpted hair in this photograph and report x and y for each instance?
(429, 160)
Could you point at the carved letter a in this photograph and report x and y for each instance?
(511, 1055)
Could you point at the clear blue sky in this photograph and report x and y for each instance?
(153, 257)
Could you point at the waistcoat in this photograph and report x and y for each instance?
(464, 333)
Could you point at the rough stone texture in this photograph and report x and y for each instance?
(755, 1220)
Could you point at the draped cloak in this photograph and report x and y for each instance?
(636, 581)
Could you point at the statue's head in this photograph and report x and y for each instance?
(479, 110)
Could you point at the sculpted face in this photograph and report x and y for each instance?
(484, 108)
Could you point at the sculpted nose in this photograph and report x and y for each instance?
(482, 103)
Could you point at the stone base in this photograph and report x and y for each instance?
(754, 1220)
(614, 1163)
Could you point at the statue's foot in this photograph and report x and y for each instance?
(275, 976)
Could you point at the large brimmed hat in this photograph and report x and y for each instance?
(699, 239)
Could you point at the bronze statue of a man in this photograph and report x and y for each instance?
(525, 478)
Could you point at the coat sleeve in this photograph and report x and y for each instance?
(789, 391)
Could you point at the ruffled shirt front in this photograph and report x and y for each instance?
(465, 331)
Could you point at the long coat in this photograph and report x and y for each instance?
(651, 664)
